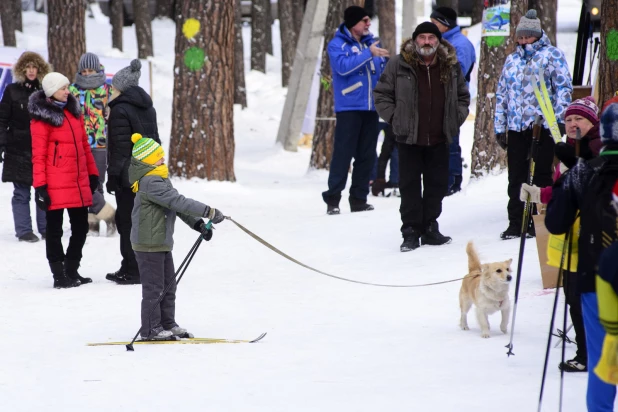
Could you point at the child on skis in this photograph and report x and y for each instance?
(156, 206)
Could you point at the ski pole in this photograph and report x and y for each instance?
(578, 139)
(536, 135)
(181, 269)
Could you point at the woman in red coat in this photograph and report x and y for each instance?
(64, 174)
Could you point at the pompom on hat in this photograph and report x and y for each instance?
(146, 150)
(127, 77)
(529, 25)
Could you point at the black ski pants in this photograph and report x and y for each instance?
(124, 207)
(78, 217)
(422, 205)
(518, 152)
(574, 300)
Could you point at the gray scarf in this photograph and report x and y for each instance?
(92, 81)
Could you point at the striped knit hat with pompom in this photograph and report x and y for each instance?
(146, 149)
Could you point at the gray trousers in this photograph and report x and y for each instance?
(157, 271)
(98, 201)
(21, 211)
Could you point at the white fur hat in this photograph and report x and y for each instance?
(53, 82)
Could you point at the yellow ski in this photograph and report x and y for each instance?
(190, 341)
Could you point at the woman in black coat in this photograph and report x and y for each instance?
(16, 142)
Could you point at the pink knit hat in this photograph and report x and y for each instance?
(586, 107)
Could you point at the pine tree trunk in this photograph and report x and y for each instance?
(240, 91)
(268, 29)
(116, 16)
(477, 12)
(258, 35)
(66, 35)
(202, 142)
(298, 10)
(324, 135)
(487, 156)
(290, 11)
(8, 23)
(165, 8)
(143, 28)
(608, 58)
(17, 15)
(386, 15)
(546, 12)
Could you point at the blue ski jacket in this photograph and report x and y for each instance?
(516, 104)
(355, 70)
(465, 50)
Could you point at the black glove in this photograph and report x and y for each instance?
(41, 198)
(2, 150)
(562, 129)
(94, 183)
(215, 215)
(200, 226)
(112, 184)
(566, 154)
(378, 186)
(502, 140)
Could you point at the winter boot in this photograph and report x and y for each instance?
(181, 332)
(127, 278)
(70, 268)
(332, 203)
(93, 225)
(456, 186)
(107, 214)
(577, 364)
(29, 237)
(432, 236)
(512, 232)
(160, 335)
(411, 240)
(61, 280)
(358, 205)
(332, 210)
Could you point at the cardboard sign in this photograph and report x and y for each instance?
(549, 274)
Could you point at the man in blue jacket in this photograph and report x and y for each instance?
(356, 62)
(446, 20)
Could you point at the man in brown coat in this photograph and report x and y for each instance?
(424, 96)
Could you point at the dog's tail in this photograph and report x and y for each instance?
(474, 263)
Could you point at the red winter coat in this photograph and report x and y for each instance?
(61, 156)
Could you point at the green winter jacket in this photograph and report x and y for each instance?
(154, 212)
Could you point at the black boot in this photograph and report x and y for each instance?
(61, 280)
(128, 278)
(512, 232)
(456, 186)
(411, 240)
(358, 205)
(70, 268)
(432, 236)
(332, 204)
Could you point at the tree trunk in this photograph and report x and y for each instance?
(143, 28)
(477, 12)
(546, 12)
(202, 142)
(66, 35)
(487, 156)
(8, 23)
(324, 135)
(165, 8)
(268, 29)
(453, 4)
(240, 91)
(17, 15)
(608, 58)
(258, 35)
(116, 17)
(386, 15)
(289, 12)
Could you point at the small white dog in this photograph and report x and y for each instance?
(487, 286)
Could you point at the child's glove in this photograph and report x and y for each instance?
(215, 215)
(200, 226)
(41, 197)
(94, 183)
(607, 368)
(533, 191)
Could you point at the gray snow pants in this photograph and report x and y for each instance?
(157, 271)
(98, 201)
(21, 211)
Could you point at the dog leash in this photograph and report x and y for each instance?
(291, 259)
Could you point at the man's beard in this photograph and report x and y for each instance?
(426, 50)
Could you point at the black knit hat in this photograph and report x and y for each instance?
(352, 15)
(427, 27)
(446, 16)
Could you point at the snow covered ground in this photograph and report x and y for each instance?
(331, 345)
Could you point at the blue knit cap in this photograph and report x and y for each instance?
(609, 124)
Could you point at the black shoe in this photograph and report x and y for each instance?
(411, 241)
(70, 268)
(512, 232)
(29, 237)
(455, 187)
(358, 205)
(113, 276)
(61, 280)
(332, 210)
(124, 278)
(432, 236)
(576, 364)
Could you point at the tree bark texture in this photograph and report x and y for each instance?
(608, 58)
(202, 142)
(324, 135)
(17, 15)
(165, 8)
(487, 156)
(289, 12)
(240, 90)
(66, 35)
(477, 12)
(258, 35)
(269, 28)
(387, 29)
(8, 23)
(116, 17)
(143, 28)
(546, 12)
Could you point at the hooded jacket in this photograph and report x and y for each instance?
(61, 155)
(94, 103)
(355, 71)
(516, 104)
(15, 120)
(465, 50)
(131, 112)
(156, 206)
(396, 94)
